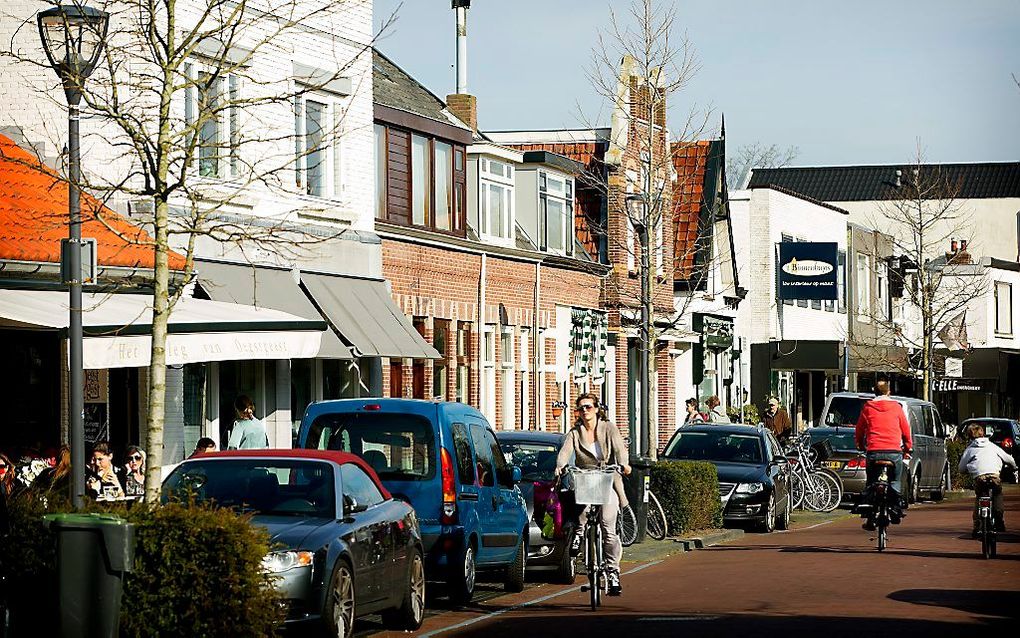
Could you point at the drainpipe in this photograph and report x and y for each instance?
(534, 348)
(480, 330)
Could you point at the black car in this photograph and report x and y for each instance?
(754, 476)
(338, 537)
(1003, 432)
(535, 453)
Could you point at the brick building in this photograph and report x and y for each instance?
(630, 158)
(477, 246)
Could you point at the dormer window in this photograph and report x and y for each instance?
(496, 198)
(556, 212)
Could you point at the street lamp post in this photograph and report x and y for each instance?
(73, 37)
(638, 211)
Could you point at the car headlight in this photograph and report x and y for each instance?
(750, 488)
(279, 562)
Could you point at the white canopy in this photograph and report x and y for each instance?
(117, 328)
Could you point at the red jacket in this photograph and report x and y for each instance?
(882, 426)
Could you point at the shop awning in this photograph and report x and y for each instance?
(364, 313)
(117, 328)
(266, 288)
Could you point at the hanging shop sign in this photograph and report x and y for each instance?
(808, 270)
(965, 385)
(716, 332)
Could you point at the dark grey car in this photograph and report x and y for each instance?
(928, 471)
(535, 453)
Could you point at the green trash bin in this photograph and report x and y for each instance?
(94, 551)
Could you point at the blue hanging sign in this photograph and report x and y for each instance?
(807, 270)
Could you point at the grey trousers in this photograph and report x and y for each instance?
(612, 548)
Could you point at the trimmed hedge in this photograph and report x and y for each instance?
(954, 450)
(689, 494)
(197, 571)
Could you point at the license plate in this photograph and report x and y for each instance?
(832, 465)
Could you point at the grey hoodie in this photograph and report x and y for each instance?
(984, 457)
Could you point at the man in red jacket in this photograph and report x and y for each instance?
(883, 432)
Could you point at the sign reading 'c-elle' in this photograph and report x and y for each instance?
(807, 270)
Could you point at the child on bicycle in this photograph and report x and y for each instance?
(984, 461)
(595, 442)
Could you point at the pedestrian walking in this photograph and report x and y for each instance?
(693, 415)
(249, 432)
(715, 413)
(778, 420)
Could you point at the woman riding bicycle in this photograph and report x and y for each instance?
(594, 442)
(984, 461)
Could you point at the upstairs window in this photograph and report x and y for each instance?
(882, 296)
(211, 113)
(317, 151)
(863, 282)
(1003, 308)
(496, 198)
(556, 212)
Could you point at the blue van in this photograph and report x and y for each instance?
(442, 458)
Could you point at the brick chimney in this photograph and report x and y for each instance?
(464, 106)
(958, 253)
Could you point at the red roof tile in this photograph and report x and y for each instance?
(33, 217)
(689, 159)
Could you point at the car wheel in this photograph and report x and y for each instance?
(784, 519)
(940, 494)
(566, 573)
(462, 580)
(515, 572)
(339, 612)
(915, 486)
(411, 613)
(768, 524)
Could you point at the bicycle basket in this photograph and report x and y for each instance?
(822, 450)
(592, 487)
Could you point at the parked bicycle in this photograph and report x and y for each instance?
(593, 488)
(655, 528)
(811, 487)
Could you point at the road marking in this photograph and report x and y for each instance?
(541, 599)
(812, 526)
(675, 618)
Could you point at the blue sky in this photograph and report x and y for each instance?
(845, 82)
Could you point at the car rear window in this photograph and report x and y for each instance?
(277, 487)
(994, 430)
(838, 440)
(844, 410)
(536, 460)
(716, 446)
(397, 446)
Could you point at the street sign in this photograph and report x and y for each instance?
(88, 264)
(807, 270)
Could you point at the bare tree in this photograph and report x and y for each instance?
(926, 218)
(757, 155)
(640, 61)
(193, 124)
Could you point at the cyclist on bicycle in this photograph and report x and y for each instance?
(984, 461)
(883, 432)
(594, 442)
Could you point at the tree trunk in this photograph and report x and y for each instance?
(157, 366)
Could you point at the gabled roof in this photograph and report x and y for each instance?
(865, 183)
(691, 195)
(395, 88)
(33, 217)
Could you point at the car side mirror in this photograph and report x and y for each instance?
(352, 506)
(515, 474)
(780, 460)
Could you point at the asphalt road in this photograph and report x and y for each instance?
(826, 578)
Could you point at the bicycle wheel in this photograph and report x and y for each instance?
(829, 490)
(593, 562)
(796, 491)
(816, 492)
(881, 537)
(656, 526)
(986, 539)
(626, 526)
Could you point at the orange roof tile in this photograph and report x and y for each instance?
(689, 159)
(33, 217)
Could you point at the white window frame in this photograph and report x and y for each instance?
(489, 180)
(1003, 328)
(333, 147)
(862, 294)
(540, 375)
(487, 378)
(882, 290)
(228, 123)
(509, 378)
(566, 198)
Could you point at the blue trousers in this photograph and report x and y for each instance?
(894, 473)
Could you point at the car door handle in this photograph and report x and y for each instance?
(495, 503)
(467, 496)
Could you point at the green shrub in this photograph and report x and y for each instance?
(954, 450)
(750, 414)
(197, 571)
(689, 494)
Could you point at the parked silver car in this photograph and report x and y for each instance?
(928, 473)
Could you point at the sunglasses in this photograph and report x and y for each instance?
(135, 457)
(586, 407)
